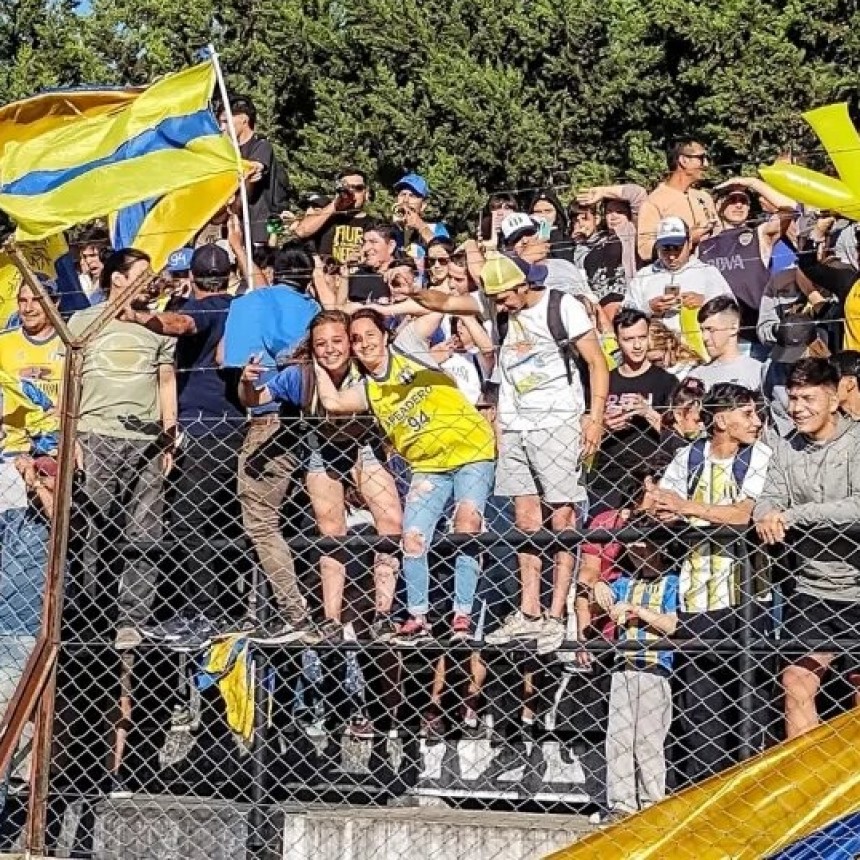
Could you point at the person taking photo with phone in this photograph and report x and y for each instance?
(676, 280)
(337, 229)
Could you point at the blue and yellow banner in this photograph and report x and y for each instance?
(797, 801)
(162, 225)
(41, 257)
(159, 141)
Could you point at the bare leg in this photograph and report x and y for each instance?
(563, 517)
(801, 682)
(377, 487)
(529, 518)
(327, 500)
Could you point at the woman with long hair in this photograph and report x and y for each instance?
(448, 445)
(337, 453)
(668, 351)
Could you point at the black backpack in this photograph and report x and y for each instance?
(555, 324)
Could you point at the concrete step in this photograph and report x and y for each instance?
(147, 827)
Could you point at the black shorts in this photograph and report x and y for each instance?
(813, 619)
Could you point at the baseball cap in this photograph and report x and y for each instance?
(502, 273)
(210, 261)
(516, 225)
(793, 335)
(722, 194)
(671, 231)
(414, 183)
(180, 261)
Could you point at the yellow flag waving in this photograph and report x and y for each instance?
(162, 140)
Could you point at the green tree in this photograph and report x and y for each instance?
(477, 96)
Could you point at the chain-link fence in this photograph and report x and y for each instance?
(278, 640)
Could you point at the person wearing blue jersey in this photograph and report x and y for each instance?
(644, 605)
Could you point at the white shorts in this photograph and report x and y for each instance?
(543, 463)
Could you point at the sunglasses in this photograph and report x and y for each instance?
(357, 187)
(439, 261)
(702, 157)
(671, 247)
(737, 198)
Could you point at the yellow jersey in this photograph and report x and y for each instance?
(426, 417)
(38, 363)
(851, 311)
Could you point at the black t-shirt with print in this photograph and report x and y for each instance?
(342, 236)
(628, 448)
(604, 266)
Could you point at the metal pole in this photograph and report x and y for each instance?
(53, 608)
(50, 308)
(746, 663)
(240, 168)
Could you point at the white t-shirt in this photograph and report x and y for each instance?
(534, 392)
(710, 575)
(464, 372)
(694, 277)
(742, 370)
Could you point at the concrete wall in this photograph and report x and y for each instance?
(425, 834)
(171, 828)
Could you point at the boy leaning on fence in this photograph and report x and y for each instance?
(643, 604)
(713, 482)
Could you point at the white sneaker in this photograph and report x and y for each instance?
(551, 635)
(515, 626)
(127, 638)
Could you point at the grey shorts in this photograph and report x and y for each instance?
(541, 463)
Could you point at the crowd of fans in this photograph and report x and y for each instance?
(635, 358)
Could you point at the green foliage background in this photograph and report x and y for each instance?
(499, 94)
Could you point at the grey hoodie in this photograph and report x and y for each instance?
(818, 484)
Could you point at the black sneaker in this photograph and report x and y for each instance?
(330, 633)
(383, 629)
(281, 632)
(244, 626)
(198, 635)
(118, 788)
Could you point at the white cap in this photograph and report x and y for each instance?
(515, 225)
(672, 231)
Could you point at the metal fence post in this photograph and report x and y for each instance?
(746, 664)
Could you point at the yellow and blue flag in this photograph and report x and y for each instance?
(797, 801)
(161, 225)
(42, 258)
(159, 141)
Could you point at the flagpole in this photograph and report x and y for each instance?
(243, 191)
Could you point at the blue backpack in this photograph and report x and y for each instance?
(696, 465)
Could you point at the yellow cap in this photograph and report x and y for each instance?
(501, 274)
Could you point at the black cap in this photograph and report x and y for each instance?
(793, 335)
(210, 261)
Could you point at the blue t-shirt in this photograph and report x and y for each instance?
(269, 322)
(286, 386)
(208, 394)
(659, 595)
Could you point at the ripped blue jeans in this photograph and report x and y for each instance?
(429, 493)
